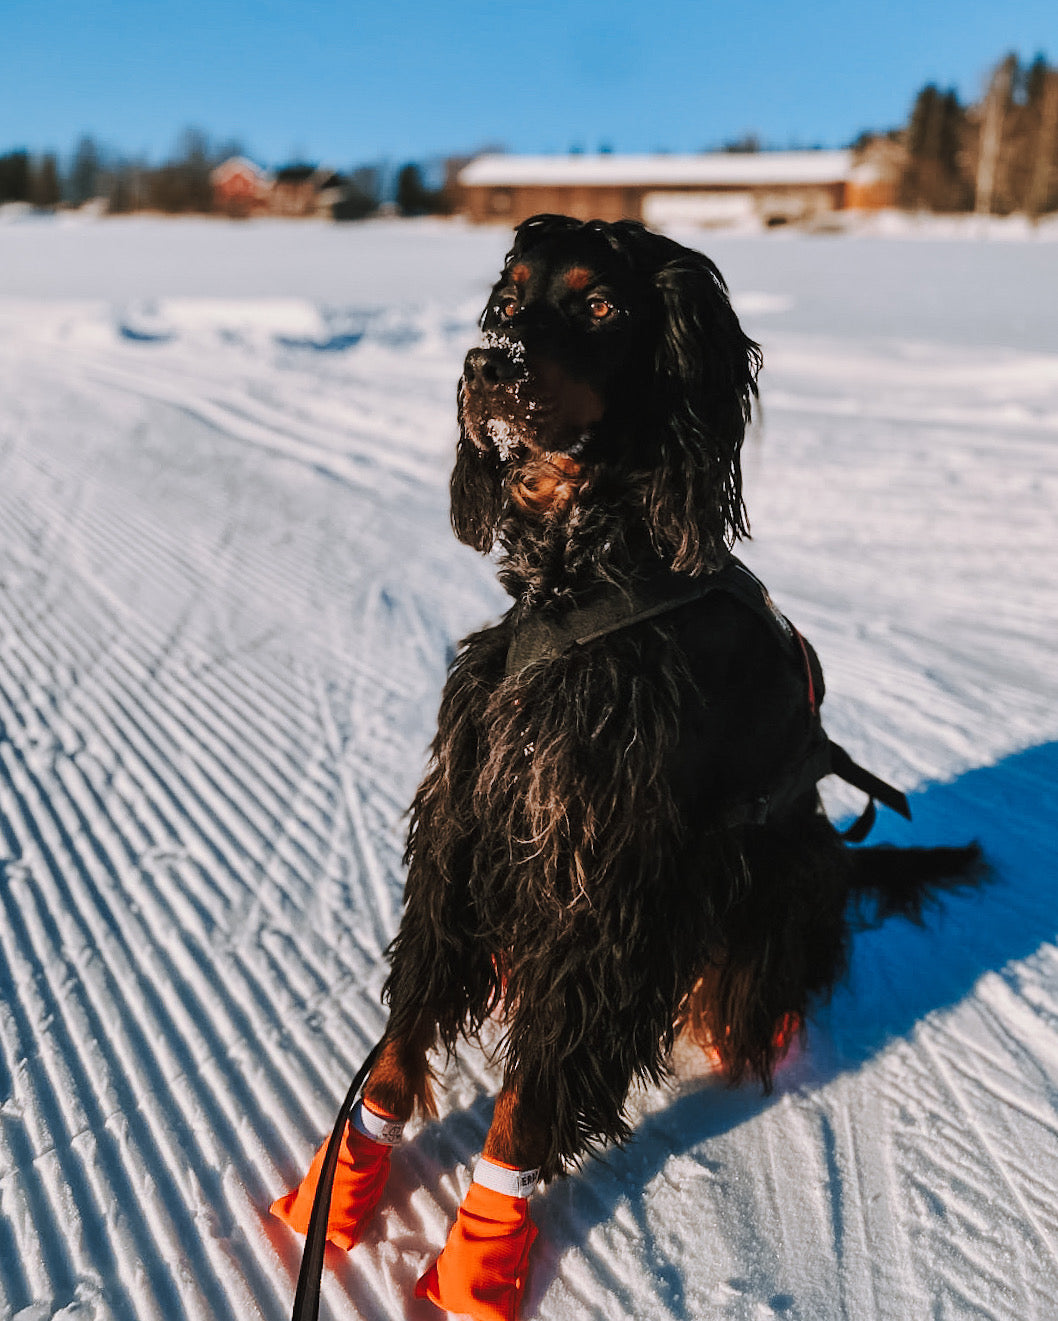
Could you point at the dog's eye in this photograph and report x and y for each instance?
(508, 306)
(600, 309)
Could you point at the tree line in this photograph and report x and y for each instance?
(182, 184)
(998, 155)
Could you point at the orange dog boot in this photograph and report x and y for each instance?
(481, 1272)
(363, 1167)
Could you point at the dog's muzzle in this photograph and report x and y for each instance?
(498, 365)
(490, 390)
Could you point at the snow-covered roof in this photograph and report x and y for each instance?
(760, 168)
(236, 165)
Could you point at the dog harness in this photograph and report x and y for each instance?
(546, 636)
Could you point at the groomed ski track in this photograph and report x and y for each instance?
(228, 593)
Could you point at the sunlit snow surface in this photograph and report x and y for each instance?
(228, 592)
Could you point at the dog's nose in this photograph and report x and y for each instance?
(490, 367)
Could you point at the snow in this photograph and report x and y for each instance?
(228, 591)
(761, 168)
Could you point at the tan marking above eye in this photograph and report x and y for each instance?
(577, 277)
(520, 273)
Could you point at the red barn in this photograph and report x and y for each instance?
(721, 188)
(240, 188)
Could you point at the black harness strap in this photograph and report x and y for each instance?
(542, 635)
(539, 636)
(842, 765)
(546, 635)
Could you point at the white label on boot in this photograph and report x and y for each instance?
(377, 1127)
(515, 1183)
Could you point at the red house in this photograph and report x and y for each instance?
(240, 188)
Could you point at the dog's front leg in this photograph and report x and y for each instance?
(400, 1078)
(517, 1135)
(481, 1272)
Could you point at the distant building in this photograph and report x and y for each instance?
(874, 181)
(773, 187)
(305, 190)
(240, 188)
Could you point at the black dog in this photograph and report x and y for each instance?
(619, 835)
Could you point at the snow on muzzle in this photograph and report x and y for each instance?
(508, 402)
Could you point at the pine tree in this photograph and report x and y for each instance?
(14, 177)
(85, 178)
(413, 197)
(44, 189)
(1034, 79)
(1042, 193)
(183, 183)
(934, 177)
(194, 164)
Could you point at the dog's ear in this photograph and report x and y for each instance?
(705, 382)
(476, 490)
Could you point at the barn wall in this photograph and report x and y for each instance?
(510, 205)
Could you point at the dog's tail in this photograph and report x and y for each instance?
(901, 881)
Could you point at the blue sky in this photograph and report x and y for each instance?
(364, 81)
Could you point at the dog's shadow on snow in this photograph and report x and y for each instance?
(899, 973)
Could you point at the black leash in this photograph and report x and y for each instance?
(307, 1295)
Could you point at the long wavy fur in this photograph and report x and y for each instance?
(706, 379)
(558, 866)
(510, 857)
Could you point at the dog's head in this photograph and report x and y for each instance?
(611, 361)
